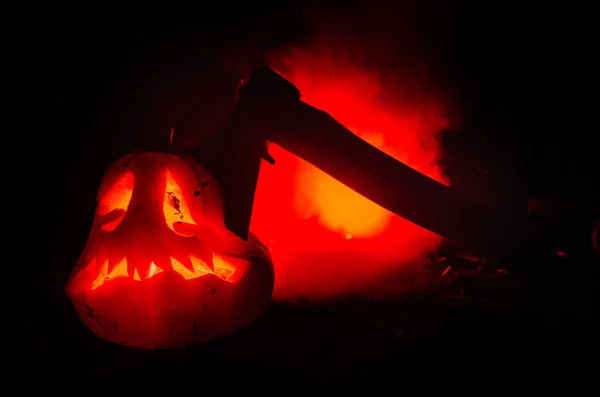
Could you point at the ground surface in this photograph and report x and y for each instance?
(471, 317)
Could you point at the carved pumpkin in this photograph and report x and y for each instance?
(160, 269)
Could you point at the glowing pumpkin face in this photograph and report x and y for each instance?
(160, 269)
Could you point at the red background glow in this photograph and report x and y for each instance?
(326, 239)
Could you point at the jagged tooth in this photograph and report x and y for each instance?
(132, 265)
(101, 258)
(205, 254)
(143, 267)
(163, 262)
(185, 261)
(114, 260)
(209, 263)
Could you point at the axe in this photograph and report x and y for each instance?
(269, 109)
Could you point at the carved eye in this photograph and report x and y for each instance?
(176, 207)
(115, 202)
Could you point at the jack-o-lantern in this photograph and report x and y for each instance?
(160, 269)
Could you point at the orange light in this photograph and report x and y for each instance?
(224, 269)
(326, 239)
(166, 272)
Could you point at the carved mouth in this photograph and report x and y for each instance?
(227, 268)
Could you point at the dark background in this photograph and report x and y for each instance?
(105, 81)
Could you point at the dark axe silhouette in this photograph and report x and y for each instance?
(269, 109)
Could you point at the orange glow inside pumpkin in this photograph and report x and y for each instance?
(226, 268)
(175, 208)
(159, 269)
(117, 197)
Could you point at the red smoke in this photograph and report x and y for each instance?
(326, 239)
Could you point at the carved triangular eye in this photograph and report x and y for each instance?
(176, 207)
(113, 205)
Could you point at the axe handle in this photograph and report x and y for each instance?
(269, 109)
(319, 139)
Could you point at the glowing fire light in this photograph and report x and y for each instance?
(334, 240)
